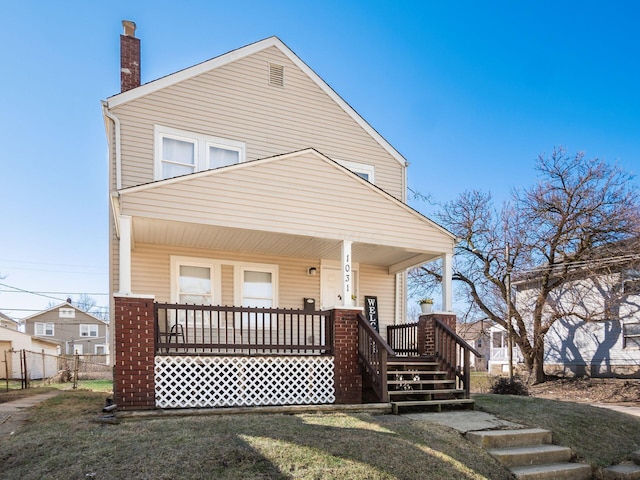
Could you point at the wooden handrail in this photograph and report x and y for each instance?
(373, 352)
(447, 344)
(458, 339)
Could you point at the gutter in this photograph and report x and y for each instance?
(116, 122)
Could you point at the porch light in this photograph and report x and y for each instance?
(312, 271)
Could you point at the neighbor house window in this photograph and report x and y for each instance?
(88, 330)
(43, 329)
(361, 169)
(631, 335)
(67, 313)
(101, 350)
(179, 152)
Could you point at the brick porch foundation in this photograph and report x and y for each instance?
(348, 379)
(133, 382)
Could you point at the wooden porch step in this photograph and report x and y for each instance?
(403, 363)
(416, 372)
(426, 392)
(421, 382)
(466, 402)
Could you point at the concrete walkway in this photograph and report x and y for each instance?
(465, 420)
(14, 414)
(629, 410)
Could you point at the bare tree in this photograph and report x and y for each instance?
(568, 235)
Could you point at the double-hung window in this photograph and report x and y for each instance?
(43, 329)
(179, 152)
(88, 330)
(631, 335)
(257, 286)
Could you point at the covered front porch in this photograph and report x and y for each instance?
(210, 356)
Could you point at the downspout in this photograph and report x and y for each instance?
(116, 122)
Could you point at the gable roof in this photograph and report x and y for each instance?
(243, 52)
(62, 305)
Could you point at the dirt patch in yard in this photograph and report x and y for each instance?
(590, 390)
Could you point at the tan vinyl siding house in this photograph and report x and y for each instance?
(73, 329)
(246, 182)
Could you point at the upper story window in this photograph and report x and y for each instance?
(363, 170)
(179, 152)
(43, 329)
(88, 330)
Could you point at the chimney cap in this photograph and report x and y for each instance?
(129, 28)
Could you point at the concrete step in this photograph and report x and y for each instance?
(491, 439)
(624, 471)
(554, 471)
(531, 455)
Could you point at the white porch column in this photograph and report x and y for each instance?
(447, 273)
(125, 255)
(347, 277)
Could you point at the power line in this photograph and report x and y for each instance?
(57, 293)
(31, 292)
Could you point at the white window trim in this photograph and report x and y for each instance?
(91, 328)
(238, 275)
(201, 147)
(356, 168)
(97, 346)
(216, 276)
(44, 329)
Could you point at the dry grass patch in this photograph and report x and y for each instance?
(62, 440)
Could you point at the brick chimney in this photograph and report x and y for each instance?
(129, 57)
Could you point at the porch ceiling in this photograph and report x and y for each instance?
(182, 234)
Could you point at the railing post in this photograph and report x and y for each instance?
(384, 391)
(467, 373)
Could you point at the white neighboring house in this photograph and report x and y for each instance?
(609, 344)
(12, 340)
(498, 362)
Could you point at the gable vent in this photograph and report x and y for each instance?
(276, 75)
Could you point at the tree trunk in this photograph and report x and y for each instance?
(538, 365)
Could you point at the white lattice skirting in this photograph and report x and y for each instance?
(187, 382)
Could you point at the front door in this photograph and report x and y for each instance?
(331, 287)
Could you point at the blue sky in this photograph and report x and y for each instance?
(469, 92)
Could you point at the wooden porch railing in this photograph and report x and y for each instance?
(373, 352)
(215, 330)
(454, 355)
(403, 339)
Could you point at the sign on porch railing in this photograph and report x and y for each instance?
(371, 311)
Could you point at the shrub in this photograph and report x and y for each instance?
(503, 386)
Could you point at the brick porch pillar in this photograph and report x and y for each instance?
(426, 330)
(347, 376)
(133, 382)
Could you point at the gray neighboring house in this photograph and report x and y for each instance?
(73, 329)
